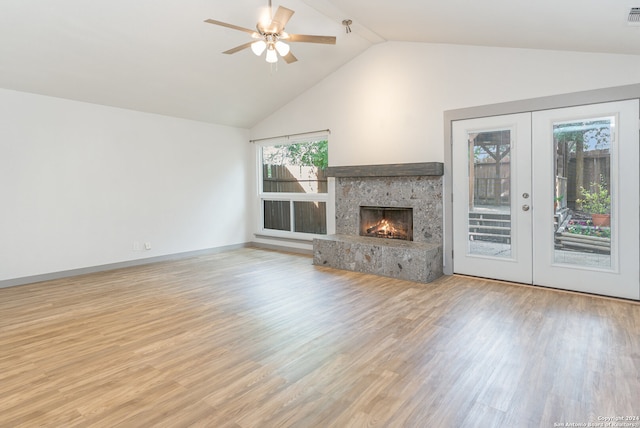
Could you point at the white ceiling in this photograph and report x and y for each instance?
(159, 56)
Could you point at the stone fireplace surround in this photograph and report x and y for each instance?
(415, 185)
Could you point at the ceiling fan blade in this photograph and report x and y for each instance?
(327, 40)
(280, 19)
(289, 58)
(238, 48)
(233, 27)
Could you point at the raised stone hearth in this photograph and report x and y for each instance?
(414, 261)
(415, 186)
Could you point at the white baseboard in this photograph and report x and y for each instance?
(112, 266)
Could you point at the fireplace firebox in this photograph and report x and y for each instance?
(387, 222)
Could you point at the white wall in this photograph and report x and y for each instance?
(80, 183)
(386, 106)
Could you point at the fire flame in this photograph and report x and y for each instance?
(384, 228)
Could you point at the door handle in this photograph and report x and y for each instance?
(525, 208)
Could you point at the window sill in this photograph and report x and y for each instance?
(302, 238)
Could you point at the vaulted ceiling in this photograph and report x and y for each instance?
(159, 56)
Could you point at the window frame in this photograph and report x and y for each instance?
(263, 196)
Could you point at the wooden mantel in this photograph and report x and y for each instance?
(387, 170)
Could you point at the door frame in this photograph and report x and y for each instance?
(517, 265)
(617, 93)
(618, 277)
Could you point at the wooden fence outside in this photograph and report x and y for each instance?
(308, 216)
(594, 166)
(283, 179)
(485, 187)
(489, 189)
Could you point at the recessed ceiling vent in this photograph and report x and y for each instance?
(634, 16)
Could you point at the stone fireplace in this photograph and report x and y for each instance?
(399, 202)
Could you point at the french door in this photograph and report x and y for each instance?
(550, 198)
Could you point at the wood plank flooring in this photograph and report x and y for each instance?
(255, 338)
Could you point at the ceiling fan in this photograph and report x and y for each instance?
(271, 36)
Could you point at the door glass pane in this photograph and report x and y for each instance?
(582, 197)
(489, 193)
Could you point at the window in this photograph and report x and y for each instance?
(293, 188)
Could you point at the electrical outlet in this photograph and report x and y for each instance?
(147, 245)
(136, 246)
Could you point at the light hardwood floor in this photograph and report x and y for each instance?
(255, 338)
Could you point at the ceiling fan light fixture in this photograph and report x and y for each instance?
(258, 47)
(272, 56)
(270, 36)
(634, 16)
(282, 48)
